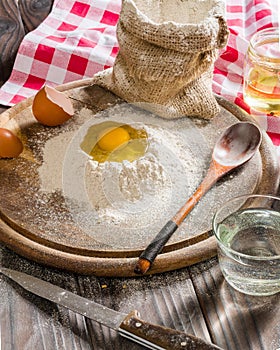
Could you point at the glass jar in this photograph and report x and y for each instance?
(262, 72)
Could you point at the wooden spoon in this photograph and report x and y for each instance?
(236, 146)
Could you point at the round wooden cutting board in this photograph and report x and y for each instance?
(45, 206)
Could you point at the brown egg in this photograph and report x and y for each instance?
(10, 145)
(51, 107)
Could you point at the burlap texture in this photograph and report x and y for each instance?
(164, 63)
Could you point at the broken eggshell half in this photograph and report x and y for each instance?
(51, 107)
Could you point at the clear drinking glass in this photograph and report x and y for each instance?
(262, 72)
(247, 229)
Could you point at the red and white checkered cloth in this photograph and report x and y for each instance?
(78, 39)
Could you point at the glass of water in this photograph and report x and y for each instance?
(247, 229)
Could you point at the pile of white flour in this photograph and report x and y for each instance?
(132, 196)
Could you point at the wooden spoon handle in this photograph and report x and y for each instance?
(156, 245)
(148, 256)
(214, 172)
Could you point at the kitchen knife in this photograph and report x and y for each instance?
(128, 325)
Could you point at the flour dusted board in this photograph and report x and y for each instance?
(63, 210)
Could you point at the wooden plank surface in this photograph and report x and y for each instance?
(168, 299)
(195, 299)
(236, 321)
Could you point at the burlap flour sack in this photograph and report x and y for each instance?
(167, 50)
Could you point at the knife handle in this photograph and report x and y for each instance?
(158, 337)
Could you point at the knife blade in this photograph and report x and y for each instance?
(128, 325)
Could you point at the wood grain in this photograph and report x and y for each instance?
(16, 19)
(33, 12)
(236, 321)
(168, 300)
(195, 300)
(11, 34)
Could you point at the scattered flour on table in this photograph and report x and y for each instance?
(52, 167)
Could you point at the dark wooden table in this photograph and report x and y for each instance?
(17, 17)
(195, 299)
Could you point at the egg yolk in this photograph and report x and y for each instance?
(112, 139)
